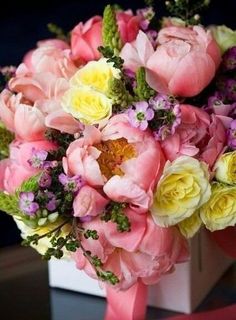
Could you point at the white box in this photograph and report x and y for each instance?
(181, 291)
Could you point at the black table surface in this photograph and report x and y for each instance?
(25, 294)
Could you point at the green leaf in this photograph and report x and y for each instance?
(30, 185)
(10, 204)
(143, 91)
(6, 137)
(110, 32)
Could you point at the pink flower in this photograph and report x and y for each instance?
(55, 43)
(87, 37)
(14, 113)
(198, 135)
(125, 161)
(89, 202)
(17, 169)
(186, 59)
(45, 76)
(145, 253)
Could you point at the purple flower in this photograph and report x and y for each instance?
(27, 204)
(146, 16)
(131, 77)
(232, 135)
(160, 102)
(45, 180)
(139, 115)
(38, 158)
(229, 60)
(52, 202)
(231, 90)
(71, 184)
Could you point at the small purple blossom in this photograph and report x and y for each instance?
(231, 90)
(167, 116)
(45, 180)
(139, 115)
(71, 184)
(52, 202)
(38, 158)
(87, 218)
(146, 16)
(232, 135)
(229, 60)
(160, 102)
(27, 204)
(131, 77)
(152, 36)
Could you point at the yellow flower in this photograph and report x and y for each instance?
(190, 226)
(224, 36)
(43, 243)
(96, 75)
(87, 105)
(225, 168)
(182, 189)
(220, 210)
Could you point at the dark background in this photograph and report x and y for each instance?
(23, 24)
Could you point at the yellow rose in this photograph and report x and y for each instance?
(182, 189)
(43, 243)
(190, 226)
(87, 105)
(220, 210)
(225, 168)
(96, 75)
(224, 36)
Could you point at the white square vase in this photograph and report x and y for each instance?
(181, 291)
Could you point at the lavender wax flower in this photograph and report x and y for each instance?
(27, 204)
(71, 184)
(139, 115)
(38, 158)
(232, 135)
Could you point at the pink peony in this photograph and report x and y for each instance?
(89, 202)
(186, 59)
(198, 135)
(16, 169)
(146, 253)
(14, 113)
(87, 37)
(123, 160)
(45, 77)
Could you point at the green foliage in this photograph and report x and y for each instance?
(108, 53)
(187, 10)
(110, 32)
(57, 31)
(143, 91)
(120, 96)
(115, 213)
(9, 204)
(91, 234)
(6, 137)
(30, 185)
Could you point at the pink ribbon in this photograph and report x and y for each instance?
(226, 240)
(127, 305)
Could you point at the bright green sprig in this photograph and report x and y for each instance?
(115, 213)
(6, 137)
(9, 204)
(110, 32)
(57, 31)
(143, 91)
(120, 96)
(187, 10)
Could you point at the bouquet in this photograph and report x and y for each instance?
(118, 143)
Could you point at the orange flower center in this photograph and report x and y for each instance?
(113, 154)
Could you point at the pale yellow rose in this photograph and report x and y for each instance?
(43, 243)
(220, 210)
(224, 36)
(182, 189)
(87, 105)
(96, 75)
(225, 168)
(190, 226)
